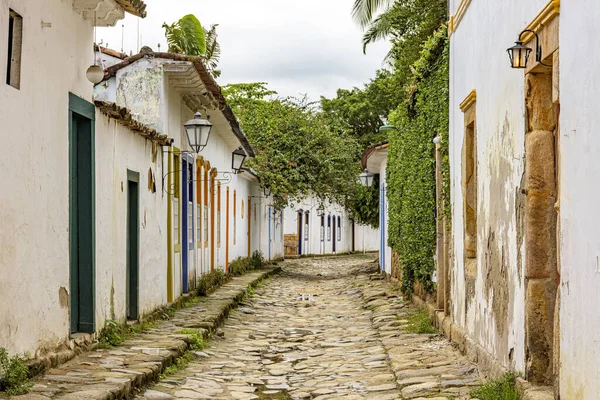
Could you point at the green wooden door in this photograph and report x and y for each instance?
(81, 214)
(133, 244)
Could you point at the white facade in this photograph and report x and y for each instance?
(34, 258)
(329, 233)
(494, 314)
(376, 163)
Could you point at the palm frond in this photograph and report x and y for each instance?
(379, 29)
(364, 10)
(186, 36)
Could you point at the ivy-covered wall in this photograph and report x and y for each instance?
(411, 163)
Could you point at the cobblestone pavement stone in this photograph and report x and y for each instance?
(115, 373)
(323, 329)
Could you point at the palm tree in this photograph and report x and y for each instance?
(364, 10)
(187, 36)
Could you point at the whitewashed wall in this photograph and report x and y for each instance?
(579, 211)
(34, 204)
(312, 243)
(117, 150)
(478, 60)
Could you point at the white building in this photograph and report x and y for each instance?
(326, 230)
(56, 160)
(212, 211)
(525, 222)
(374, 160)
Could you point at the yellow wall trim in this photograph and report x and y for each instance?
(456, 18)
(548, 13)
(468, 101)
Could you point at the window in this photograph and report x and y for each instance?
(322, 228)
(15, 42)
(469, 189)
(339, 228)
(329, 228)
(306, 226)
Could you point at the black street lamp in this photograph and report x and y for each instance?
(198, 132)
(366, 178)
(519, 53)
(237, 159)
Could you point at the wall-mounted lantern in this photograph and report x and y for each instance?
(519, 53)
(267, 191)
(94, 74)
(320, 210)
(237, 159)
(198, 132)
(366, 178)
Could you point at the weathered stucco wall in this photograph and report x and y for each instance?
(34, 204)
(117, 151)
(579, 216)
(491, 305)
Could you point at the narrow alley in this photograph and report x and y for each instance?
(322, 329)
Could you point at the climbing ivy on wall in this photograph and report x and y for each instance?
(411, 164)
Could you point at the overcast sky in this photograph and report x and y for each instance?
(300, 47)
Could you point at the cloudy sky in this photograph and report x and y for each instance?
(300, 47)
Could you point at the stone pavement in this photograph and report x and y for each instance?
(322, 330)
(118, 372)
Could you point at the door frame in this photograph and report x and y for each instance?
(300, 217)
(133, 237)
(78, 322)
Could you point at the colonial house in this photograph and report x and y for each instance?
(71, 178)
(313, 227)
(374, 162)
(212, 205)
(525, 269)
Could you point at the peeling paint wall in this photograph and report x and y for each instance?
(117, 150)
(34, 202)
(492, 312)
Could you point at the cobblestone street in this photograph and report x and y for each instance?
(322, 329)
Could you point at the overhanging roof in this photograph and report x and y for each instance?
(193, 101)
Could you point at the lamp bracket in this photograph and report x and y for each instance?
(538, 47)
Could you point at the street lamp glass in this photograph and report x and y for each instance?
(198, 132)
(518, 55)
(94, 74)
(384, 128)
(237, 159)
(366, 178)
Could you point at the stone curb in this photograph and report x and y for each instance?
(477, 354)
(120, 372)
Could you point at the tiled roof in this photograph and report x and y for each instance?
(135, 7)
(207, 80)
(124, 117)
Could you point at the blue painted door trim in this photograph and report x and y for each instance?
(184, 225)
(382, 243)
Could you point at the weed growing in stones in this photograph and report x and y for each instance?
(13, 374)
(497, 389)
(196, 338)
(179, 365)
(111, 335)
(419, 322)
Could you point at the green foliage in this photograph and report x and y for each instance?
(241, 265)
(419, 322)
(111, 335)
(206, 282)
(186, 36)
(179, 365)
(196, 338)
(296, 150)
(13, 374)
(497, 389)
(364, 204)
(213, 51)
(411, 163)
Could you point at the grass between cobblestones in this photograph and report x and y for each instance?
(497, 389)
(180, 364)
(419, 322)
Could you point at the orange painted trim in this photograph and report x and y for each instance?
(234, 216)
(249, 225)
(212, 223)
(227, 230)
